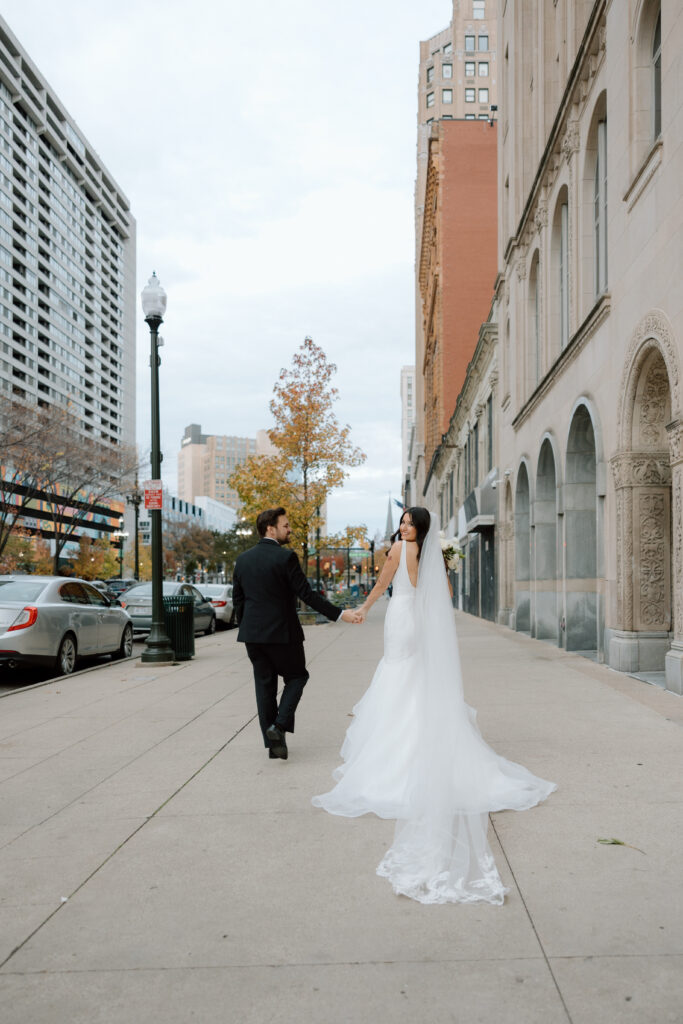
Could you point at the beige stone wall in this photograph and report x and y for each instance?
(583, 359)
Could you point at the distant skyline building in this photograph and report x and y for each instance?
(407, 413)
(205, 462)
(67, 261)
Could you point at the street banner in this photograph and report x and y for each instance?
(153, 494)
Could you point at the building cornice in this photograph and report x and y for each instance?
(595, 318)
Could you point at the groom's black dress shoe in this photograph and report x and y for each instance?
(278, 744)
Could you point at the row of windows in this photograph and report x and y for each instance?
(470, 42)
(468, 117)
(470, 96)
(470, 70)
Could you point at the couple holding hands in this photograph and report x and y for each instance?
(413, 751)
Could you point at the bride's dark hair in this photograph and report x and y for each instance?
(420, 519)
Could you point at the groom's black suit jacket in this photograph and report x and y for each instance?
(266, 583)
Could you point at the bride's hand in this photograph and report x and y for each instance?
(361, 613)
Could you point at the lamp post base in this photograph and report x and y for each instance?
(158, 650)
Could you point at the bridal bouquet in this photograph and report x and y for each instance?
(452, 553)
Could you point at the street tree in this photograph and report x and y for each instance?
(47, 458)
(24, 436)
(80, 473)
(96, 559)
(313, 450)
(231, 543)
(187, 546)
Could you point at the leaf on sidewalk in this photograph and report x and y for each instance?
(620, 842)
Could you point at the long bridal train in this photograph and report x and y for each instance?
(414, 752)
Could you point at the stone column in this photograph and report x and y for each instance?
(674, 657)
(640, 639)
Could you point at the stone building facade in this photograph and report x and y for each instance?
(590, 309)
(464, 479)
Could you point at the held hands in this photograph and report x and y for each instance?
(353, 615)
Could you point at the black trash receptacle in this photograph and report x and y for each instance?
(179, 623)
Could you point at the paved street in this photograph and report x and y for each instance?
(157, 867)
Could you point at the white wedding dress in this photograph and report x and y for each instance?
(414, 753)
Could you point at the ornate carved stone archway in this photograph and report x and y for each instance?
(648, 479)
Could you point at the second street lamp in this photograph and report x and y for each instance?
(134, 499)
(158, 648)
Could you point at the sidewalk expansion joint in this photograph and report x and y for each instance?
(531, 922)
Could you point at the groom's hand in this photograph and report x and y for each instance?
(349, 615)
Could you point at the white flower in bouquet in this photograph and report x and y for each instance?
(452, 552)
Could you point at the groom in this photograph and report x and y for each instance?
(266, 583)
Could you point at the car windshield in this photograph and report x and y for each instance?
(21, 590)
(212, 589)
(145, 590)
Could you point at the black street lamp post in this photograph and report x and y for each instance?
(317, 549)
(134, 499)
(158, 649)
(120, 536)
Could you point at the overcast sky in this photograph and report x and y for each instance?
(268, 153)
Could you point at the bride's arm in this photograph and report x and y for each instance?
(383, 580)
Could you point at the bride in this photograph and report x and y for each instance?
(413, 751)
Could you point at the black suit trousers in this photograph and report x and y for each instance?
(270, 661)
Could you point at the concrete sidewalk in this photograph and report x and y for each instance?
(155, 866)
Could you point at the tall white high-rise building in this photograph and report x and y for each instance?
(407, 413)
(67, 261)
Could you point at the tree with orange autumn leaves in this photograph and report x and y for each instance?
(313, 451)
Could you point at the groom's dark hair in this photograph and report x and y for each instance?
(268, 518)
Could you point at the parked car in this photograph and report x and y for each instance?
(105, 589)
(317, 585)
(220, 596)
(53, 621)
(119, 585)
(137, 601)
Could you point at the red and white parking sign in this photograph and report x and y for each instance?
(153, 494)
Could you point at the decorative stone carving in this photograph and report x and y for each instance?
(570, 142)
(653, 331)
(521, 268)
(652, 560)
(677, 531)
(652, 407)
(541, 216)
(675, 437)
(631, 469)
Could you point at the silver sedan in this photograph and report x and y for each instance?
(220, 596)
(53, 621)
(138, 603)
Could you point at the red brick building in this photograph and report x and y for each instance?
(458, 262)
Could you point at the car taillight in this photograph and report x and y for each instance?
(26, 617)
(122, 602)
(219, 604)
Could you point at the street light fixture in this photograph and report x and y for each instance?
(134, 499)
(120, 536)
(158, 649)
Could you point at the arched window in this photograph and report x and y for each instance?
(600, 210)
(657, 77)
(534, 325)
(559, 277)
(646, 81)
